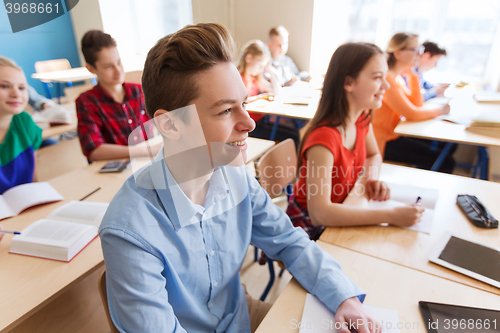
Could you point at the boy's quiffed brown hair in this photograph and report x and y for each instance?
(93, 42)
(169, 77)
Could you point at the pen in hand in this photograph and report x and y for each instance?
(10, 232)
(418, 200)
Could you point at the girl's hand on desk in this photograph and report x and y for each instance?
(351, 311)
(445, 109)
(377, 190)
(406, 216)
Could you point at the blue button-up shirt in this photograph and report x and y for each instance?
(173, 266)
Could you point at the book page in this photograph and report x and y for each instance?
(5, 210)
(402, 195)
(317, 318)
(23, 196)
(89, 213)
(52, 232)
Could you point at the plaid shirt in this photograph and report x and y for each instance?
(102, 120)
(300, 218)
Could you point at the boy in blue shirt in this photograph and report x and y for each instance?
(175, 236)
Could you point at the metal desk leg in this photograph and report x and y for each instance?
(442, 156)
(275, 128)
(482, 163)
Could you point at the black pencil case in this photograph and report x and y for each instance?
(476, 212)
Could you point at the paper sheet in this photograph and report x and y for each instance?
(317, 318)
(406, 194)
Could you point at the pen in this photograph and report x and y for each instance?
(88, 195)
(10, 232)
(418, 200)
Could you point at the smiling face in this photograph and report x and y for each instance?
(221, 110)
(409, 55)
(255, 64)
(367, 90)
(13, 91)
(108, 67)
(428, 62)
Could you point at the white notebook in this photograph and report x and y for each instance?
(63, 234)
(317, 318)
(15, 200)
(402, 195)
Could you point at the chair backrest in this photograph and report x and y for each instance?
(277, 168)
(52, 65)
(104, 298)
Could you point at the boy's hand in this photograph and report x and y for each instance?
(353, 317)
(377, 190)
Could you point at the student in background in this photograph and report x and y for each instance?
(285, 68)
(403, 52)
(19, 135)
(429, 60)
(252, 64)
(339, 143)
(175, 239)
(108, 113)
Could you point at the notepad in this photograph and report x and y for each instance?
(15, 200)
(402, 195)
(317, 318)
(63, 234)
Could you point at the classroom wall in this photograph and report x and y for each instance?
(253, 19)
(51, 40)
(85, 16)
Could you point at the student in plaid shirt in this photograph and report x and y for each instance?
(108, 113)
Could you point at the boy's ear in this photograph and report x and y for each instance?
(90, 68)
(348, 83)
(166, 124)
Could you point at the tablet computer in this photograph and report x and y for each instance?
(479, 261)
(441, 318)
(115, 166)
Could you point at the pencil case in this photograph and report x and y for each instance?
(476, 212)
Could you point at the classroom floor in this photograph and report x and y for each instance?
(255, 277)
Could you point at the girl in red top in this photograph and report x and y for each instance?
(340, 143)
(252, 63)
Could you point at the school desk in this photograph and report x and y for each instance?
(29, 285)
(463, 108)
(387, 285)
(411, 248)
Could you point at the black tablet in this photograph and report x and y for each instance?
(479, 261)
(447, 318)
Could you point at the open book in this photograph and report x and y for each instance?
(485, 97)
(63, 234)
(486, 123)
(55, 115)
(402, 195)
(15, 200)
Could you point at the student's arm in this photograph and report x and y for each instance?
(396, 99)
(323, 212)
(137, 298)
(37, 101)
(316, 270)
(109, 151)
(375, 189)
(272, 86)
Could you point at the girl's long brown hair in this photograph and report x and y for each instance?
(333, 109)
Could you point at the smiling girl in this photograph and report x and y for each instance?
(339, 143)
(19, 136)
